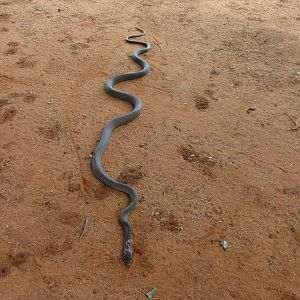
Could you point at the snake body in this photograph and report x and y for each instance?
(107, 132)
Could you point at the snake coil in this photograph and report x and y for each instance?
(106, 134)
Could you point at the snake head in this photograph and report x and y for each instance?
(127, 256)
(128, 253)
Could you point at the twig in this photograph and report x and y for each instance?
(296, 126)
(292, 120)
(84, 227)
(155, 41)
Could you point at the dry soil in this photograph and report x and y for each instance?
(214, 156)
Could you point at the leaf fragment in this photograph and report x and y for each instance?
(151, 293)
(224, 244)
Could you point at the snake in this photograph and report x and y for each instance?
(97, 167)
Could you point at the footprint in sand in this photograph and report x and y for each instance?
(13, 48)
(26, 62)
(15, 97)
(4, 17)
(7, 115)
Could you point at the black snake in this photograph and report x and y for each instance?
(106, 134)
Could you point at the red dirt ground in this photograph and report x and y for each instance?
(215, 155)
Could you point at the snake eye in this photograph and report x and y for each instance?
(127, 256)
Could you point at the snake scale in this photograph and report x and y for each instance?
(107, 132)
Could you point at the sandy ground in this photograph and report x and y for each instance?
(215, 155)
